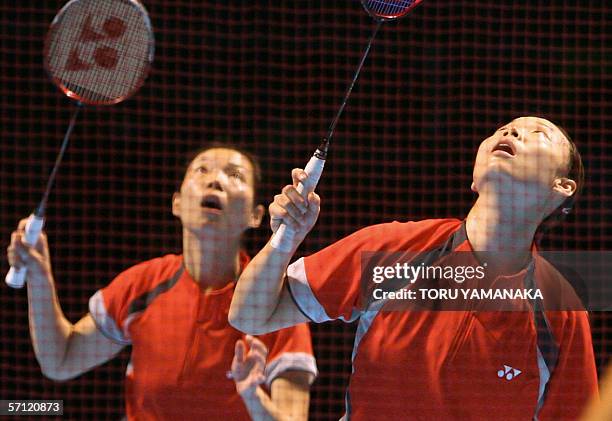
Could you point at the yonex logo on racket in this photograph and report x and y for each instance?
(99, 51)
(102, 55)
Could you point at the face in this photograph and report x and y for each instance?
(530, 154)
(217, 194)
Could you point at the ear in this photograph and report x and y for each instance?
(564, 186)
(176, 204)
(256, 216)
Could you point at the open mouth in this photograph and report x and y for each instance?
(211, 202)
(504, 147)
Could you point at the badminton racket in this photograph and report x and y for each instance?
(381, 11)
(97, 52)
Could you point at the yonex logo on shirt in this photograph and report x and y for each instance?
(508, 372)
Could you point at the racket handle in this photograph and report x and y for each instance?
(15, 278)
(282, 239)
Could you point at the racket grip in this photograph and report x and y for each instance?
(15, 278)
(282, 240)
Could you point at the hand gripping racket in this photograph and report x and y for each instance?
(97, 52)
(381, 11)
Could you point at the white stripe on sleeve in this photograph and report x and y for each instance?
(299, 361)
(104, 321)
(303, 295)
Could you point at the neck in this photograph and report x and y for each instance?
(211, 262)
(499, 224)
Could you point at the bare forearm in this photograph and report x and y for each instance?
(49, 328)
(262, 408)
(64, 350)
(259, 290)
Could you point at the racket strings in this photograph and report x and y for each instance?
(388, 8)
(99, 50)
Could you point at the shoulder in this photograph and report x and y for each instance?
(146, 275)
(411, 235)
(158, 266)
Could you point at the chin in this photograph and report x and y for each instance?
(203, 226)
(496, 175)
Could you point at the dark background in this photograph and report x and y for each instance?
(270, 74)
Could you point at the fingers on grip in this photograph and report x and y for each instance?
(298, 175)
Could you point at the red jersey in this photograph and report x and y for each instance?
(463, 365)
(182, 343)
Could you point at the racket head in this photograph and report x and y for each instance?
(99, 52)
(389, 9)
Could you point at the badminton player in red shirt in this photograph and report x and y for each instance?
(447, 365)
(173, 311)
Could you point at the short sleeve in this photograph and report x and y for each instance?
(105, 321)
(111, 307)
(289, 349)
(326, 285)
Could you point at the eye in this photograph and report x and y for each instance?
(542, 132)
(236, 174)
(201, 169)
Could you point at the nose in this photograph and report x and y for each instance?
(511, 131)
(215, 185)
(214, 180)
